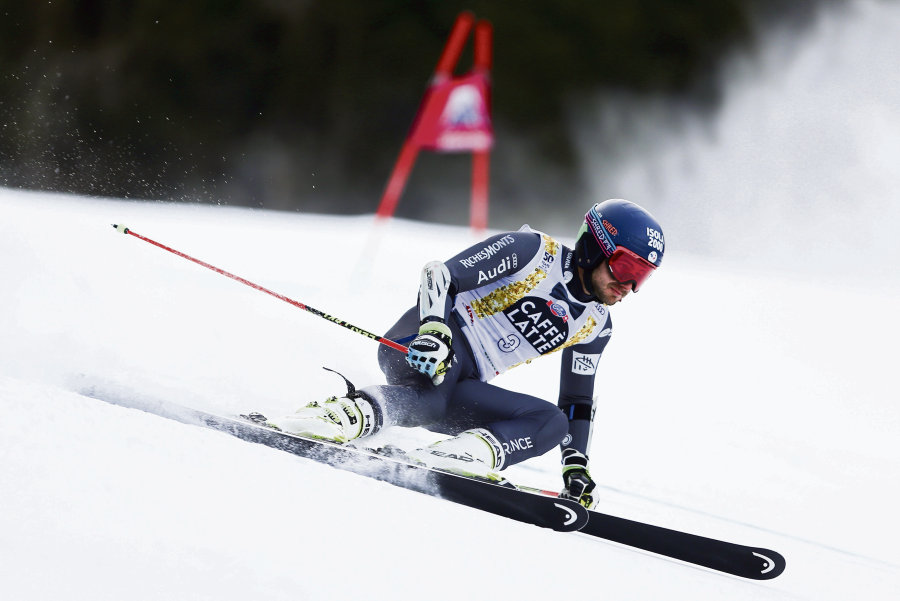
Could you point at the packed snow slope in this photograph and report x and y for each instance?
(735, 404)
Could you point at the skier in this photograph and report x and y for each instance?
(496, 305)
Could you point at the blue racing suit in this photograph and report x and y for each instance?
(514, 297)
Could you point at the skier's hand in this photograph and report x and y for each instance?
(577, 478)
(431, 352)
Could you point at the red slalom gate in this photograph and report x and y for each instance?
(455, 116)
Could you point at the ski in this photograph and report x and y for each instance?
(755, 563)
(739, 560)
(502, 499)
(498, 498)
(523, 504)
(533, 506)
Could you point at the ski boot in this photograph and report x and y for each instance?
(473, 453)
(338, 419)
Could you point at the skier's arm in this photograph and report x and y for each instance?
(484, 263)
(479, 265)
(494, 258)
(576, 389)
(431, 353)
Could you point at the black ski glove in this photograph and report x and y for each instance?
(577, 479)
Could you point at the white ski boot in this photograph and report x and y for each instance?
(474, 453)
(336, 419)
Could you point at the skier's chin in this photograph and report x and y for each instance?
(611, 297)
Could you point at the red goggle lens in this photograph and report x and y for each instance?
(627, 266)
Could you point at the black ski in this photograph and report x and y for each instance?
(525, 505)
(501, 499)
(522, 504)
(505, 500)
(748, 562)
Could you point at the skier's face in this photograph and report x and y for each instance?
(607, 289)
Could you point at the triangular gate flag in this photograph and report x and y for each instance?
(455, 116)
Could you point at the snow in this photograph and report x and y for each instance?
(734, 413)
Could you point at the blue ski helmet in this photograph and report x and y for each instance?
(625, 234)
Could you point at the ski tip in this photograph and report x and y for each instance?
(770, 564)
(120, 228)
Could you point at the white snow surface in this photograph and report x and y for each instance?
(736, 404)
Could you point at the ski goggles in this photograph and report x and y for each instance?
(628, 266)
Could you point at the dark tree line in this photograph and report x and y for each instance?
(297, 104)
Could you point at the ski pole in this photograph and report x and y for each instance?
(299, 305)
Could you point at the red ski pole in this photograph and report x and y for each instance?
(299, 305)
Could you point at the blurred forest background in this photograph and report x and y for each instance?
(304, 104)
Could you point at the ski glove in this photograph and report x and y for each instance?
(577, 479)
(430, 352)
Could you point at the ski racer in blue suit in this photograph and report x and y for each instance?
(503, 302)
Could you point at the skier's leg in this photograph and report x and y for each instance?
(494, 428)
(410, 398)
(525, 426)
